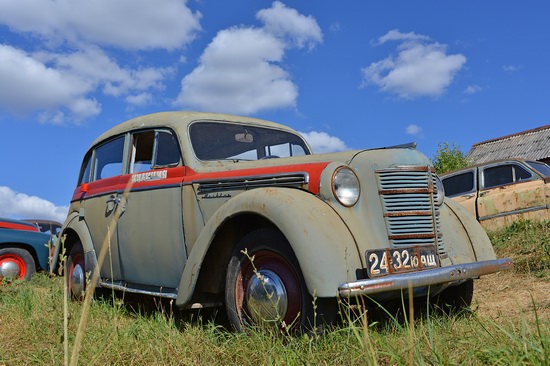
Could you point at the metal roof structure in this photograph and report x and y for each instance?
(531, 145)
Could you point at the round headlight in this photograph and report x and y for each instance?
(345, 186)
(440, 194)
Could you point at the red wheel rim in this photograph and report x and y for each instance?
(268, 260)
(12, 258)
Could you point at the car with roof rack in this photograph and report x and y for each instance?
(215, 210)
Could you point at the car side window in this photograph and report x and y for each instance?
(142, 151)
(167, 149)
(504, 174)
(108, 159)
(521, 174)
(459, 184)
(153, 149)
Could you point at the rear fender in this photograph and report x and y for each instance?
(324, 247)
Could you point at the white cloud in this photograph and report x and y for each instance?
(132, 24)
(421, 67)
(139, 99)
(511, 68)
(74, 59)
(237, 74)
(472, 89)
(28, 84)
(95, 66)
(414, 130)
(285, 22)
(60, 85)
(21, 206)
(239, 70)
(396, 35)
(322, 142)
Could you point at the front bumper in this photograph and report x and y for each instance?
(429, 277)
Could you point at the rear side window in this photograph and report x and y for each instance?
(459, 184)
(504, 174)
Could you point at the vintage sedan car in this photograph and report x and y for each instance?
(219, 210)
(23, 249)
(46, 226)
(501, 192)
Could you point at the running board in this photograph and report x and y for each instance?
(167, 293)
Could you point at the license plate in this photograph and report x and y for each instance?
(387, 261)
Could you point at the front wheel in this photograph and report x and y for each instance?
(75, 273)
(455, 299)
(16, 263)
(264, 284)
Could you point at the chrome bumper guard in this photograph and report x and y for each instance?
(459, 272)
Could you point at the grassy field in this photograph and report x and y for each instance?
(32, 327)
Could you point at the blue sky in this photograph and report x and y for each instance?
(346, 74)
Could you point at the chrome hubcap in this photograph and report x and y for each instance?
(77, 280)
(9, 270)
(266, 297)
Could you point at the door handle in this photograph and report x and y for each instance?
(111, 204)
(114, 200)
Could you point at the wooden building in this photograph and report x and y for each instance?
(531, 145)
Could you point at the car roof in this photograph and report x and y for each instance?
(180, 120)
(470, 167)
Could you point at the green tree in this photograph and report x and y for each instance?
(448, 158)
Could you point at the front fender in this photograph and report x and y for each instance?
(323, 245)
(464, 237)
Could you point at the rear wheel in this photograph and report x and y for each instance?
(75, 273)
(264, 284)
(16, 263)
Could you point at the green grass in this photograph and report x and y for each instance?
(31, 330)
(528, 243)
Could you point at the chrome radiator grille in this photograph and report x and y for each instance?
(408, 196)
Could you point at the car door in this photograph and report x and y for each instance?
(150, 229)
(102, 173)
(509, 191)
(462, 188)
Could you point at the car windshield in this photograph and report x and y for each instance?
(540, 167)
(227, 141)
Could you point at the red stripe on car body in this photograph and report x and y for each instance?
(183, 175)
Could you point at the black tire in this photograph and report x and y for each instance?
(16, 264)
(75, 273)
(456, 299)
(269, 261)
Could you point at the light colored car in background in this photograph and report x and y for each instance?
(236, 212)
(501, 192)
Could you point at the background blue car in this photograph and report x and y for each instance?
(23, 249)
